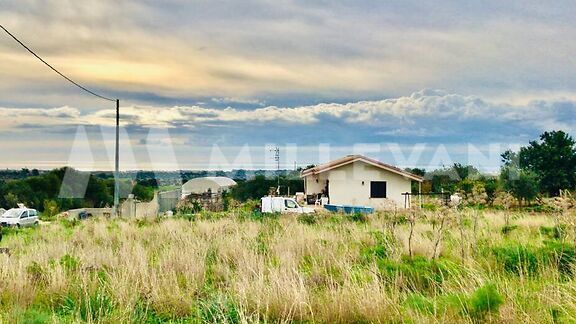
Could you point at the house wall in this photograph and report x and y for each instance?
(312, 186)
(346, 188)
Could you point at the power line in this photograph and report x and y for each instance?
(117, 156)
(54, 69)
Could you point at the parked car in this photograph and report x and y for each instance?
(283, 205)
(19, 217)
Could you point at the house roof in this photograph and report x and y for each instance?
(354, 158)
(200, 185)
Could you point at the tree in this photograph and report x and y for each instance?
(417, 171)
(465, 171)
(552, 160)
(11, 200)
(50, 208)
(525, 187)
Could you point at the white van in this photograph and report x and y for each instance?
(19, 217)
(283, 205)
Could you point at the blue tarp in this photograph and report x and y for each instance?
(349, 209)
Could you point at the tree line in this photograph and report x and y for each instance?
(542, 168)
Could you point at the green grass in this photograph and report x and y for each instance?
(244, 266)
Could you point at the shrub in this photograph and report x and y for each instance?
(90, 308)
(36, 273)
(379, 250)
(517, 259)
(308, 219)
(358, 217)
(483, 301)
(561, 255)
(419, 273)
(69, 223)
(507, 229)
(69, 262)
(429, 206)
(34, 316)
(217, 309)
(554, 232)
(420, 303)
(50, 210)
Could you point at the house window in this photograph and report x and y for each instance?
(377, 189)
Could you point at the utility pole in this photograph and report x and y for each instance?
(117, 162)
(277, 159)
(116, 169)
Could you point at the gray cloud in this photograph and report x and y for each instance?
(428, 114)
(248, 49)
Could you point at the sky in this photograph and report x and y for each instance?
(219, 84)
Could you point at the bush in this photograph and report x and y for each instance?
(517, 259)
(379, 250)
(419, 273)
(507, 229)
(555, 232)
(483, 301)
(358, 217)
(34, 316)
(561, 255)
(308, 219)
(420, 303)
(520, 259)
(90, 308)
(69, 262)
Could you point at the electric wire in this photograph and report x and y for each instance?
(54, 69)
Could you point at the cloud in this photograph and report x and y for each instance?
(427, 115)
(255, 49)
(37, 117)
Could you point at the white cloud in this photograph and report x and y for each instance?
(424, 113)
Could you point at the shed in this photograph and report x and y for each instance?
(200, 186)
(357, 180)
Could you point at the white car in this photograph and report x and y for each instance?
(283, 205)
(19, 217)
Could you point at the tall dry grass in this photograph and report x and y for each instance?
(279, 269)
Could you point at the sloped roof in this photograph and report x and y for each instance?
(354, 158)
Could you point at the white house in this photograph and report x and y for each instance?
(202, 185)
(360, 181)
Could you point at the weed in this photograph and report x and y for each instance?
(358, 217)
(553, 232)
(69, 262)
(484, 300)
(507, 229)
(517, 259)
(308, 219)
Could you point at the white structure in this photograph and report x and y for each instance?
(283, 205)
(202, 185)
(360, 181)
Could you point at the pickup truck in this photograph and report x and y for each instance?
(283, 205)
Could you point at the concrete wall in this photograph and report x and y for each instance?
(314, 184)
(133, 208)
(168, 200)
(346, 186)
(95, 212)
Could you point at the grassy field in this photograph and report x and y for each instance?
(465, 266)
